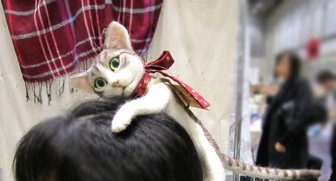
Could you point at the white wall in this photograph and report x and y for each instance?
(292, 24)
(202, 36)
(295, 22)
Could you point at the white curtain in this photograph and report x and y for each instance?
(201, 35)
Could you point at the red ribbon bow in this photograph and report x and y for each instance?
(164, 62)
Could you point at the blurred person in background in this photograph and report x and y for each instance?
(319, 134)
(333, 155)
(284, 142)
(321, 140)
(327, 81)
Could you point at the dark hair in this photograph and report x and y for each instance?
(294, 61)
(81, 147)
(325, 75)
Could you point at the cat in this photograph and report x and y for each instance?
(118, 70)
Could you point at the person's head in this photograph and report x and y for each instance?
(287, 65)
(326, 79)
(81, 147)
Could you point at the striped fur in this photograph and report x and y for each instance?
(252, 170)
(264, 172)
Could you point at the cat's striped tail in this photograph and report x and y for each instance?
(252, 170)
(260, 172)
(255, 171)
(265, 172)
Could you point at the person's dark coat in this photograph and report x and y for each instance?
(288, 130)
(333, 155)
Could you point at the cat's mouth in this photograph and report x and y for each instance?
(125, 89)
(122, 85)
(119, 84)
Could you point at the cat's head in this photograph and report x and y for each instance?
(116, 71)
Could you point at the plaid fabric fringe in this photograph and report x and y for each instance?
(40, 92)
(52, 37)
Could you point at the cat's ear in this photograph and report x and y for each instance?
(80, 81)
(117, 37)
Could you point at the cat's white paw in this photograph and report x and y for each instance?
(121, 120)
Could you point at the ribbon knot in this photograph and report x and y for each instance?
(164, 62)
(185, 92)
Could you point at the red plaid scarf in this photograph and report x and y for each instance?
(51, 37)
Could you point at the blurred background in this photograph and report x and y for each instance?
(277, 25)
(306, 28)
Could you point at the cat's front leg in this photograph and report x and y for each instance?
(154, 101)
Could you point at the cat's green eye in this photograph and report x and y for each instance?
(114, 63)
(99, 84)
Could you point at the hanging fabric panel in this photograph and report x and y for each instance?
(52, 37)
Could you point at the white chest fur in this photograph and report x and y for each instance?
(212, 166)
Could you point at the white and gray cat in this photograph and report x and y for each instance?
(117, 72)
